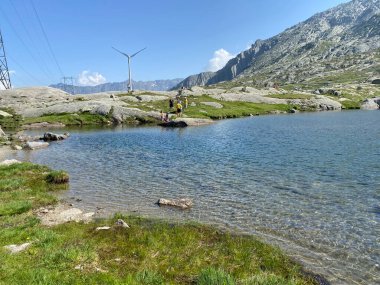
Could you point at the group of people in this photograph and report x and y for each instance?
(178, 106)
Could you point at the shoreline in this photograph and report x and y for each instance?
(162, 243)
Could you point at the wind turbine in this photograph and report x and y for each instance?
(129, 65)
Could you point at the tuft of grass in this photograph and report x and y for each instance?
(212, 276)
(15, 207)
(57, 177)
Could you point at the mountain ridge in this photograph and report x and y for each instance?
(306, 49)
(152, 85)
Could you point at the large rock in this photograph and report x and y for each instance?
(62, 213)
(54, 137)
(191, 122)
(173, 124)
(370, 104)
(180, 203)
(36, 145)
(213, 104)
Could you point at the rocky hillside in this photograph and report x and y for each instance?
(156, 85)
(340, 44)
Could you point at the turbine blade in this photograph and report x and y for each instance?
(120, 52)
(137, 52)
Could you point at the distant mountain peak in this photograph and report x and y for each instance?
(322, 43)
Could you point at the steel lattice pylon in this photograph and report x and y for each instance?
(5, 80)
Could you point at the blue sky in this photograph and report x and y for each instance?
(182, 37)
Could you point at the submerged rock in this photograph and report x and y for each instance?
(180, 203)
(36, 145)
(16, 147)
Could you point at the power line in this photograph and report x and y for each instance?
(46, 68)
(68, 85)
(46, 38)
(38, 63)
(26, 72)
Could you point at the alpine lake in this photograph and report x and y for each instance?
(309, 183)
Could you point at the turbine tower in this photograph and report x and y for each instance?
(129, 66)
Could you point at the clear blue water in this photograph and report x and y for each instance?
(307, 182)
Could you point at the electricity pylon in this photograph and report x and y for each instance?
(5, 80)
(68, 85)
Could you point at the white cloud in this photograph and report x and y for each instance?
(221, 57)
(90, 78)
(11, 72)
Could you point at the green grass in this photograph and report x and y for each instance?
(290, 96)
(10, 123)
(70, 119)
(151, 251)
(231, 109)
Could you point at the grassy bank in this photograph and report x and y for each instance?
(149, 252)
(230, 109)
(81, 119)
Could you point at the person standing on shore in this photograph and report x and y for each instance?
(186, 102)
(171, 103)
(179, 109)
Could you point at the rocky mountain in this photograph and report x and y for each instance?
(156, 85)
(338, 44)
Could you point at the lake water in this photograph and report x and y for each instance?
(309, 183)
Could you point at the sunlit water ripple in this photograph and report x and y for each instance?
(308, 182)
